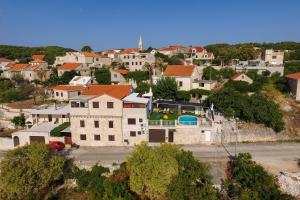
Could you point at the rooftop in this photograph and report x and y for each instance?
(117, 91)
(133, 98)
(2, 59)
(294, 76)
(179, 70)
(38, 56)
(52, 109)
(69, 66)
(18, 67)
(67, 87)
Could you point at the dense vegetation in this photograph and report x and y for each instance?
(23, 54)
(103, 76)
(210, 73)
(248, 180)
(226, 52)
(254, 108)
(19, 121)
(29, 172)
(14, 90)
(138, 76)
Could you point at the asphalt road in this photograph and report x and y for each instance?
(275, 157)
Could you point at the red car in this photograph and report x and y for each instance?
(56, 145)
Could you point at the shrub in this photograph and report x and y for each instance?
(56, 131)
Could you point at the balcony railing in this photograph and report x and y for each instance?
(173, 123)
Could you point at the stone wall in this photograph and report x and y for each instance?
(6, 143)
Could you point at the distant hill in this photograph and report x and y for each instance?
(23, 54)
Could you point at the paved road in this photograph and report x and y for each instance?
(274, 157)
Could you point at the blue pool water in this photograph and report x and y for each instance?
(187, 120)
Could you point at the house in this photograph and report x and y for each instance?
(14, 69)
(260, 66)
(65, 92)
(40, 133)
(81, 80)
(56, 114)
(135, 61)
(78, 67)
(118, 76)
(4, 62)
(294, 83)
(88, 59)
(241, 77)
(172, 50)
(201, 55)
(184, 75)
(108, 115)
(274, 57)
(37, 70)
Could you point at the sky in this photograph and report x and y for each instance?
(109, 24)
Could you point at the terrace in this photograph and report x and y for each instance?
(179, 114)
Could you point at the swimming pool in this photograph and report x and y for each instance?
(187, 120)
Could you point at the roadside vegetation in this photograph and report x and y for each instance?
(162, 172)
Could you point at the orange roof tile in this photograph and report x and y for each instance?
(198, 49)
(38, 61)
(38, 57)
(236, 75)
(294, 76)
(69, 66)
(117, 91)
(179, 70)
(91, 54)
(67, 87)
(121, 71)
(18, 67)
(129, 50)
(2, 59)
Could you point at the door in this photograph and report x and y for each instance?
(16, 141)
(171, 135)
(157, 135)
(40, 139)
(50, 118)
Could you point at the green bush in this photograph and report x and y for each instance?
(138, 76)
(56, 131)
(103, 76)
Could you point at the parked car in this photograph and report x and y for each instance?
(56, 145)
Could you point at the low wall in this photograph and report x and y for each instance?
(6, 143)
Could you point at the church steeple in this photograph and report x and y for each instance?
(140, 43)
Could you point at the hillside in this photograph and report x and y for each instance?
(23, 53)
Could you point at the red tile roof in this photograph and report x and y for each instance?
(69, 66)
(197, 48)
(121, 71)
(129, 50)
(38, 57)
(38, 61)
(18, 67)
(117, 91)
(67, 87)
(91, 54)
(179, 70)
(236, 75)
(2, 59)
(294, 76)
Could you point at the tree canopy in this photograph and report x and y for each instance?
(103, 76)
(86, 48)
(29, 171)
(166, 88)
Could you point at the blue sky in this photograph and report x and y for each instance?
(107, 24)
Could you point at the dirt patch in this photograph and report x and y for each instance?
(25, 104)
(6, 132)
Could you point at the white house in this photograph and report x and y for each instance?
(274, 57)
(4, 62)
(65, 92)
(135, 61)
(294, 83)
(78, 67)
(118, 76)
(201, 54)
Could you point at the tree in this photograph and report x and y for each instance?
(103, 76)
(91, 181)
(19, 121)
(248, 180)
(166, 88)
(151, 170)
(142, 88)
(193, 180)
(86, 48)
(183, 95)
(29, 171)
(67, 76)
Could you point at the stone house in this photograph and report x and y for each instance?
(294, 83)
(78, 67)
(65, 92)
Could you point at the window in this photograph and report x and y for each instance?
(180, 83)
(139, 132)
(57, 94)
(61, 94)
(140, 120)
(82, 124)
(110, 124)
(95, 104)
(116, 75)
(201, 84)
(63, 116)
(111, 138)
(96, 124)
(133, 56)
(97, 137)
(132, 133)
(82, 137)
(274, 57)
(136, 63)
(132, 63)
(131, 121)
(110, 104)
(140, 63)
